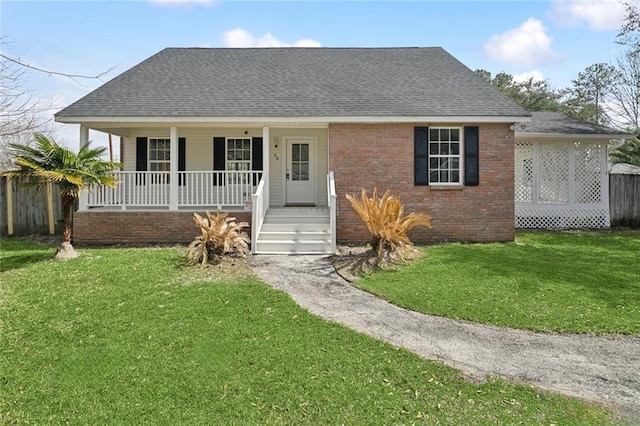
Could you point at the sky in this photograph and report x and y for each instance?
(552, 40)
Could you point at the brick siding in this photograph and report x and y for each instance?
(137, 227)
(381, 155)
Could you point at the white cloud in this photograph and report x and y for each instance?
(534, 75)
(527, 45)
(239, 37)
(598, 15)
(182, 2)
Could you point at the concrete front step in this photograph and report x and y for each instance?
(295, 232)
(293, 247)
(296, 219)
(295, 227)
(297, 235)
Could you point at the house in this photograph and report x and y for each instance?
(561, 178)
(279, 136)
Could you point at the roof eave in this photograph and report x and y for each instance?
(574, 136)
(289, 119)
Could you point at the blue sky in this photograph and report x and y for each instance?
(554, 39)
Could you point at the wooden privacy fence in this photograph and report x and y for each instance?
(624, 200)
(27, 210)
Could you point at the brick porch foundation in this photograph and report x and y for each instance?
(136, 227)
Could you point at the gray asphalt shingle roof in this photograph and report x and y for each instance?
(295, 82)
(549, 122)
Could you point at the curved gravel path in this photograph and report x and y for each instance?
(600, 369)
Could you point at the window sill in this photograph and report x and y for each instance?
(436, 187)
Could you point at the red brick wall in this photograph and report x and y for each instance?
(381, 155)
(136, 227)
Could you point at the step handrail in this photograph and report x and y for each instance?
(333, 208)
(259, 207)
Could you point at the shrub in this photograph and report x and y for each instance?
(388, 225)
(220, 235)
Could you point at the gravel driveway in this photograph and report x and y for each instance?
(600, 369)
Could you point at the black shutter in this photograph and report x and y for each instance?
(256, 157)
(421, 156)
(182, 160)
(219, 160)
(141, 158)
(471, 163)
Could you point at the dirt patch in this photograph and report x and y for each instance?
(354, 262)
(351, 263)
(228, 268)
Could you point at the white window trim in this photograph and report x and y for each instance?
(226, 153)
(460, 157)
(167, 139)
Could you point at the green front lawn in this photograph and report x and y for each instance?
(130, 336)
(582, 282)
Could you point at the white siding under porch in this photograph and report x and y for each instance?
(561, 184)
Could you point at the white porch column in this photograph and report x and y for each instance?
(173, 169)
(84, 136)
(83, 197)
(266, 143)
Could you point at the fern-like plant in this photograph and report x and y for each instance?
(220, 235)
(388, 225)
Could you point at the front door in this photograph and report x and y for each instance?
(300, 171)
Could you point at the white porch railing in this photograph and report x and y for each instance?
(195, 189)
(333, 208)
(259, 207)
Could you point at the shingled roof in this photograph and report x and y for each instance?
(295, 82)
(550, 123)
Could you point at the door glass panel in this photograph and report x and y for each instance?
(295, 155)
(300, 162)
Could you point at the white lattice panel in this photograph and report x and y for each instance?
(524, 173)
(553, 173)
(560, 185)
(588, 173)
(562, 218)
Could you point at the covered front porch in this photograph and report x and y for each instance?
(244, 169)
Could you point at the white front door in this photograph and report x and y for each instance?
(300, 171)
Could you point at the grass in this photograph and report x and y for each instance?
(580, 282)
(130, 336)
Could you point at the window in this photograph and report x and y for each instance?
(445, 159)
(159, 154)
(238, 154)
(238, 158)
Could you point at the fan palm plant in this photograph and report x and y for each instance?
(47, 161)
(220, 235)
(388, 225)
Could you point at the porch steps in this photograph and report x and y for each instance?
(294, 231)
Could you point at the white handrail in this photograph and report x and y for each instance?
(333, 208)
(259, 207)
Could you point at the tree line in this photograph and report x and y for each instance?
(605, 94)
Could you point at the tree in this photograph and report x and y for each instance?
(628, 153)
(625, 93)
(532, 94)
(591, 89)
(46, 161)
(629, 34)
(21, 114)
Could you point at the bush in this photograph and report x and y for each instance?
(220, 235)
(388, 225)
